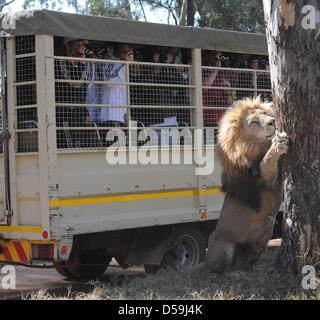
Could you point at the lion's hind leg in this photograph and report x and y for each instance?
(220, 254)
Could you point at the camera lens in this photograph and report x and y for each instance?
(88, 52)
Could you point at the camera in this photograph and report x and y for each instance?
(138, 56)
(225, 61)
(88, 52)
(262, 64)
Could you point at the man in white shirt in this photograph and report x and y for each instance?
(113, 94)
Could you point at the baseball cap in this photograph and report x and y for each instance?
(67, 40)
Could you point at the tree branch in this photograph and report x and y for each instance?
(174, 17)
(143, 12)
(6, 4)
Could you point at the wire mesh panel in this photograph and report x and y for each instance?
(25, 44)
(160, 85)
(26, 69)
(96, 95)
(26, 96)
(93, 96)
(223, 86)
(264, 85)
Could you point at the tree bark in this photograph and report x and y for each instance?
(190, 13)
(182, 20)
(295, 74)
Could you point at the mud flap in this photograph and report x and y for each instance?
(149, 247)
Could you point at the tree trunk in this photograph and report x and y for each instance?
(295, 73)
(182, 20)
(190, 13)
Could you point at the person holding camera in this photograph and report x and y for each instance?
(215, 98)
(146, 95)
(112, 93)
(73, 91)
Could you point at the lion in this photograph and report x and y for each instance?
(249, 149)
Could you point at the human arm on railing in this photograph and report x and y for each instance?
(209, 77)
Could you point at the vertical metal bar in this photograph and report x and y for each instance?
(46, 124)
(11, 122)
(7, 213)
(255, 83)
(129, 105)
(52, 170)
(198, 115)
(197, 94)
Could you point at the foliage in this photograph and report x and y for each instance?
(233, 15)
(221, 14)
(114, 8)
(46, 4)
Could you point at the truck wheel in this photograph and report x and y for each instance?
(90, 266)
(187, 249)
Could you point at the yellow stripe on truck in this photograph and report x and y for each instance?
(132, 197)
(26, 229)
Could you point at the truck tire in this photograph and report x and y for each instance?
(187, 249)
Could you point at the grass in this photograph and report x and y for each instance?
(263, 282)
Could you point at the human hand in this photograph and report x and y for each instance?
(129, 56)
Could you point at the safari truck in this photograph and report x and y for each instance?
(62, 203)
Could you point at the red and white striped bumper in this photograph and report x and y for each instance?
(19, 251)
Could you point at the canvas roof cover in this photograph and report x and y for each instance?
(115, 29)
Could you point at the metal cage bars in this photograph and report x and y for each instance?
(93, 96)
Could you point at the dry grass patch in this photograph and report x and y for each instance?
(263, 282)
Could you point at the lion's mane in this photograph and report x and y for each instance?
(240, 154)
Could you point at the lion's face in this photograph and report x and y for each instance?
(259, 124)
